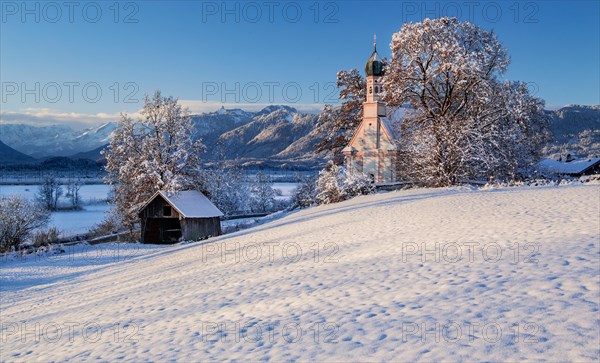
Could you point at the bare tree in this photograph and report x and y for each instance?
(73, 187)
(338, 124)
(49, 192)
(19, 218)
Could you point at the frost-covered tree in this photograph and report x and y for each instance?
(19, 218)
(338, 124)
(358, 184)
(227, 189)
(305, 193)
(333, 186)
(464, 122)
(156, 152)
(263, 194)
(330, 185)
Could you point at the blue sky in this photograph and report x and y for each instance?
(258, 52)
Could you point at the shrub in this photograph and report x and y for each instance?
(358, 184)
(111, 224)
(46, 237)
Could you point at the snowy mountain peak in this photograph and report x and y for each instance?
(273, 108)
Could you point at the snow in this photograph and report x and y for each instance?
(191, 204)
(287, 190)
(71, 223)
(368, 294)
(563, 167)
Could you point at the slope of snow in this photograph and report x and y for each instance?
(342, 282)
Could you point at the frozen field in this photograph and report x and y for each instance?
(93, 202)
(431, 274)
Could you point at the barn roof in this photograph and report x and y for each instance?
(571, 167)
(189, 204)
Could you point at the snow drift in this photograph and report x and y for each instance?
(428, 274)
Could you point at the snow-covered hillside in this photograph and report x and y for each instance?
(429, 274)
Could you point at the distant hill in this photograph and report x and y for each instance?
(576, 131)
(91, 155)
(573, 119)
(8, 156)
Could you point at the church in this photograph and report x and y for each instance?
(372, 149)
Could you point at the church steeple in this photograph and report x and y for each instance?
(374, 68)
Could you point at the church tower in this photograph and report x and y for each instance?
(374, 70)
(372, 149)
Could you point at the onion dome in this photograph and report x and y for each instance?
(374, 66)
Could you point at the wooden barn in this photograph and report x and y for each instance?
(182, 216)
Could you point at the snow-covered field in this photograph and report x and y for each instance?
(430, 274)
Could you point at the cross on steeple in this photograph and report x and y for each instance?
(375, 41)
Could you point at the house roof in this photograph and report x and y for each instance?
(563, 167)
(189, 204)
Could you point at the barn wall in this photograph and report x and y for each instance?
(155, 209)
(200, 228)
(593, 170)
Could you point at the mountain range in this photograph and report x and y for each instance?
(274, 136)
